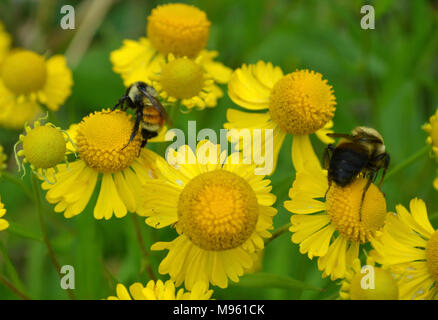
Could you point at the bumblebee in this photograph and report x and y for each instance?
(361, 152)
(150, 114)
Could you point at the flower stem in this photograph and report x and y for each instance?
(143, 249)
(14, 289)
(10, 269)
(423, 151)
(278, 233)
(40, 210)
(18, 182)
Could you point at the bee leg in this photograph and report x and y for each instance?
(327, 155)
(386, 160)
(138, 117)
(369, 181)
(121, 103)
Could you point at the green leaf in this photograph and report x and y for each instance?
(269, 280)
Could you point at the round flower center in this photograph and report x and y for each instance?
(432, 255)
(351, 221)
(178, 28)
(385, 287)
(182, 78)
(302, 102)
(102, 141)
(44, 147)
(218, 210)
(24, 72)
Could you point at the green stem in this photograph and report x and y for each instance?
(423, 151)
(278, 233)
(144, 251)
(10, 269)
(14, 289)
(18, 182)
(51, 252)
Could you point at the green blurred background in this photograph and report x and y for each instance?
(385, 78)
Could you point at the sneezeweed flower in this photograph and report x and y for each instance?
(26, 76)
(44, 147)
(186, 81)
(332, 230)
(299, 103)
(161, 291)
(368, 282)
(432, 128)
(221, 211)
(408, 247)
(101, 141)
(174, 55)
(5, 41)
(3, 223)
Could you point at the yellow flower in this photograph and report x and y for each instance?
(408, 247)
(368, 283)
(432, 128)
(182, 31)
(101, 141)
(161, 291)
(299, 103)
(3, 158)
(3, 223)
(178, 28)
(334, 229)
(187, 81)
(26, 76)
(5, 41)
(221, 210)
(44, 147)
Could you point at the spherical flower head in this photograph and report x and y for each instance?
(369, 282)
(302, 102)
(354, 222)
(160, 291)
(432, 128)
(178, 28)
(44, 147)
(3, 158)
(218, 210)
(24, 72)
(3, 223)
(102, 141)
(182, 78)
(432, 255)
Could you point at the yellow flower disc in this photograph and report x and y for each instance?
(178, 28)
(385, 287)
(302, 102)
(182, 78)
(218, 210)
(44, 147)
(432, 255)
(343, 204)
(24, 72)
(102, 141)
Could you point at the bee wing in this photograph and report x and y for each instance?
(157, 105)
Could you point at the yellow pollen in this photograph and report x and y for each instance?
(24, 72)
(44, 147)
(178, 28)
(432, 255)
(385, 286)
(182, 78)
(102, 141)
(302, 102)
(218, 210)
(343, 207)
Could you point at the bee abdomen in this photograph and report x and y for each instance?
(345, 165)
